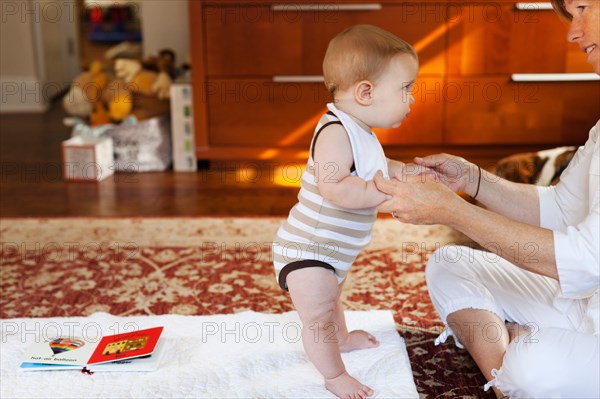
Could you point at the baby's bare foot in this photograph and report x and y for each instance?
(346, 387)
(358, 339)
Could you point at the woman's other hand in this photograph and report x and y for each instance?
(408, 169)
(454, 172)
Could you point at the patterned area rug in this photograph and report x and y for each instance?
(200, 266)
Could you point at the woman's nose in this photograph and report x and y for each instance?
(575, 32)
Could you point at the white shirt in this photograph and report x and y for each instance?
(367, 152)
(571, 209)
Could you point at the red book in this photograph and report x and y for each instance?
(126, 346)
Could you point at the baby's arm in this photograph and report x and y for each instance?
(333, 160)
(395, 168)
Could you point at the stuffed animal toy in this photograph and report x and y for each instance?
(138, 80)
(164, 65)
(142, 90)
(86, 91)
(99, 117)
(138, 88)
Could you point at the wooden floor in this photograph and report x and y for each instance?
(32, 184)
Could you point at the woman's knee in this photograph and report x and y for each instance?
(550, 362)
(444, 263)
(525, 366)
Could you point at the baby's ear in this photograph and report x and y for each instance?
(363, 92)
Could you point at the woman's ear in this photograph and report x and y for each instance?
(363, 93)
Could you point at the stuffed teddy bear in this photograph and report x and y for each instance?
(135, 90)
(85, 93)
(140, 87)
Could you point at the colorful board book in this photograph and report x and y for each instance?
(131, 351)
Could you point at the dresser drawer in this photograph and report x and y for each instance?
(494, 110)
(498, 38)
(262, 113)
(267, 40)
(244, 40)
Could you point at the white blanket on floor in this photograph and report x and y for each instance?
(244, 355)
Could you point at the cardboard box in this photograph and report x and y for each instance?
(182, 126)
(87, 158)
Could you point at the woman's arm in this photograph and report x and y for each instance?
(520, 242)
(516, 201)
(513, 200)
(421, 200)
(333, 159)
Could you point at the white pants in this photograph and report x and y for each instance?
(558, 359)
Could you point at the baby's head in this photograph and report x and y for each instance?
(361, 52)
(370, 73)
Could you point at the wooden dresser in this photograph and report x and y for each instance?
(258, 88)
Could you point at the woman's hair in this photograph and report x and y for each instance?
(360, 52)
(559, 7)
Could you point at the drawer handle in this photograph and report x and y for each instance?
(554, 77)
(533, 6)
(298, 79)
(326, 7)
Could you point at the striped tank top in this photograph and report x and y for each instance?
(319, 230)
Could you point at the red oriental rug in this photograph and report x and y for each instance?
(201, 266)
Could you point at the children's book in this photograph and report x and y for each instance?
(131, 351)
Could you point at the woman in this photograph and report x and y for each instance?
(528, 311)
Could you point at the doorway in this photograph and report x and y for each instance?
(108, 28)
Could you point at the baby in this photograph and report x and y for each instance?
(369, 73)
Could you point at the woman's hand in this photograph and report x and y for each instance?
(456, 173)
(417, 199)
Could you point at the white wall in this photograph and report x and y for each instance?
(38, 45)
(59, 50)
(38, 52)
(165, 25)
(19, 78)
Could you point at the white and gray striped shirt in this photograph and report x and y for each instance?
(319, 230)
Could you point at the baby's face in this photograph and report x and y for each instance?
(392, 92)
